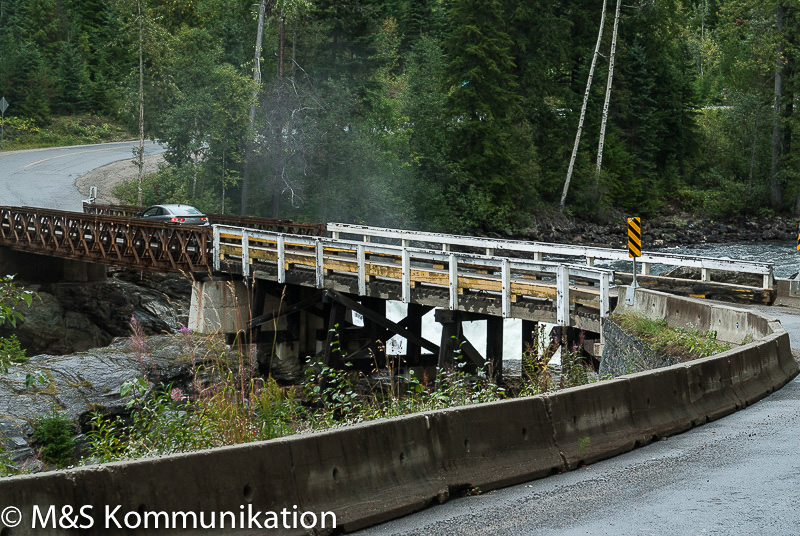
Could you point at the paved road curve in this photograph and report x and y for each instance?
(45, 177)
(736, 476)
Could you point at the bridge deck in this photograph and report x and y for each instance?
(475, 283)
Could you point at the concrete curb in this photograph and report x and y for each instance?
(372, 472)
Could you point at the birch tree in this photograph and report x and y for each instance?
(583, 108)
(608, 94)
(774, 185)
(262, 9)
(140, 155)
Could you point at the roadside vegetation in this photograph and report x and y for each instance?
(229, 403)
(25, 133)
(684, 344)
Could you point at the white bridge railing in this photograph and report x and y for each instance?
(407, 265)
(539, 249)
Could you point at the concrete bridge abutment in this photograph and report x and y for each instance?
(219, 306)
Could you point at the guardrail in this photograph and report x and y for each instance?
(539, 249)
(265, 224)
(407, 266)
(106, 239)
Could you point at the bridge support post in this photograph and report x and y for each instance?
(451, 333)
(494, 345)
(375, 332)
(283, 332)
(219, 307)
(415, 312)
(530, 335)
(333, 342)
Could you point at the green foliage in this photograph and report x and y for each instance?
(53, 432)
(11, 352)
(7, 466)
(423, 114)
(680, 342)
(12, 295)
(67, 130)
(539, 377)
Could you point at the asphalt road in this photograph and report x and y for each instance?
(45, 178)
(739, 475)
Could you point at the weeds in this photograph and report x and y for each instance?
(228, 403)
(683, 343)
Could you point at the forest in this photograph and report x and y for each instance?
(456, 115)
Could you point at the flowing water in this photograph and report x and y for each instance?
(783, 255)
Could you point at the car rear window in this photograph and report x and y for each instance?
(193, 211)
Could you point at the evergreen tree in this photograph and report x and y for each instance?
(484, 111)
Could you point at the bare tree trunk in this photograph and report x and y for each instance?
(571, 167)
(262, 9)
(608, 96)
(281, 41)
(753, 156)
(223, 181)
(774, 186)
(140, 163)
(294, 45)
(194, 168)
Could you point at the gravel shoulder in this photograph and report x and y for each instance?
(108, 176)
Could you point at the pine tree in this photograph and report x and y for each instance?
(484, 111)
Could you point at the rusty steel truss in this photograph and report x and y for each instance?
(262, 224)
(110, 240)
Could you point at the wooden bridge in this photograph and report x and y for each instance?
(288, 282)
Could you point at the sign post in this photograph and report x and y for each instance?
(794, 283)
(3, 106)
(634, 251)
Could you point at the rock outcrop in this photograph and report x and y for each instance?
(79, 384)
(73, 317)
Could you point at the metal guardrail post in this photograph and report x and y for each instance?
(406, 274)
(506, 288)
(281, 259)
(604, 294)
(562, 295)
(217, 252)
(453, 282)
(362, 269)
(320, 262)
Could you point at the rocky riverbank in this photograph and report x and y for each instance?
(668, 231)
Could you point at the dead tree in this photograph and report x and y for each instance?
(583, 108)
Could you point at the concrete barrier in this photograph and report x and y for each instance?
(495, 445)
(660, 403)
(367, 473)
(375, 471)
(593, 422)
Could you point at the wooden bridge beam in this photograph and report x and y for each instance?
(494, 345)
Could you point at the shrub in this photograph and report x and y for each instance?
(54, 433)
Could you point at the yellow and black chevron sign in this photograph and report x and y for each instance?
(798, 238)
(635, 237)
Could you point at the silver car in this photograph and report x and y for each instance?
(179, 214)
